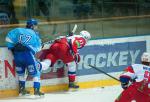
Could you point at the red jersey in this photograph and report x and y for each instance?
(65, 48)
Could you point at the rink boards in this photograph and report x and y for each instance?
(110, 55)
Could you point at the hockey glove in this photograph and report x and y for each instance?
(124, 81)
(124, 85)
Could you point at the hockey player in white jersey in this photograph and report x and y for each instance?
(24, 44)
(136, 82)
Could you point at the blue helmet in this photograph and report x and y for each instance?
(31, 23)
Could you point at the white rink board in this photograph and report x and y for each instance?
(10, 82)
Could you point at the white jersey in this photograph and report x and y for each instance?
(138, 72)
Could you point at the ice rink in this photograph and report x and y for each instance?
(106, 94)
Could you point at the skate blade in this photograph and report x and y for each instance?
(38, 97)
(30, 97)
(20, 95)
(73, 89)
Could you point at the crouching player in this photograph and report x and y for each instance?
(66, 50)
(24, 44)
(136, 82)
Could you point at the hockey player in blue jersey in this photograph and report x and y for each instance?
(24, 44)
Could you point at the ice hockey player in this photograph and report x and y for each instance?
(66, 50)
(24, 44)
(136, 82)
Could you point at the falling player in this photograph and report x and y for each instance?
(66, 50)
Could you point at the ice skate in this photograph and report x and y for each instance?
(23, 92)
(73, 86)
(38, 93)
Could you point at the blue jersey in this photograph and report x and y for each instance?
(27, 37)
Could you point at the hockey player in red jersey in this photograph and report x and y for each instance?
(66, 50)
(136, 82)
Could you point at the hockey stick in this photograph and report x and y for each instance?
(70, 34)
(74, 29)
(104, 72)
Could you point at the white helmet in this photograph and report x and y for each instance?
(145, 57)
(85, 34)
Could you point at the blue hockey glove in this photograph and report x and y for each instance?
(124, 81)
(124, 85)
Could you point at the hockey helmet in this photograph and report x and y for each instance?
(31, 23)
(145, 57)
(86, 35)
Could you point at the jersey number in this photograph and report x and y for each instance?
(24, 38)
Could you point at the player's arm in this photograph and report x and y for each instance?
(76, 45)
(10, 40)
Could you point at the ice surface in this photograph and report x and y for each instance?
(99, 94)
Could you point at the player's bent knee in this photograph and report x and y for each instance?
(45, 64)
